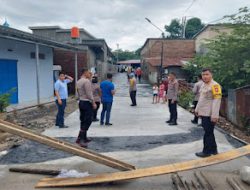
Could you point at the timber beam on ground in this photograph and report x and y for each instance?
(146, 172)
(64, 146)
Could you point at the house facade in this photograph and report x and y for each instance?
(26, 66)
(209, 32)
(97, 54)
(172, 54)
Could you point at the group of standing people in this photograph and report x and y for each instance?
(90, 95)
(207, 102)
(167, 91)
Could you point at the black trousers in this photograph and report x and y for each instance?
(96, 110)
(209, 142)
(86, 113)
(139, 77)
(133, 97)
(195, 117)
(172, 110)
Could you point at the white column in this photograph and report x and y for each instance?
(37, 74)
(76, 72)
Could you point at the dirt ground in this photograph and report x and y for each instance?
(37, 119)
(240, 133)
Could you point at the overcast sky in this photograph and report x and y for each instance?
(117, 21)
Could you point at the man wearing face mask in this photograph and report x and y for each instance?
(97, 96)
(208, 108)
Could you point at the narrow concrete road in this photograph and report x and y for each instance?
(139, 136)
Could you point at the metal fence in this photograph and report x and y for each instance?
(236, 106)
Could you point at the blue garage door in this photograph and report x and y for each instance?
(8, 78)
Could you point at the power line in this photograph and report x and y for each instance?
(192, 3)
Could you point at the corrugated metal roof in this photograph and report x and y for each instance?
(11, 33)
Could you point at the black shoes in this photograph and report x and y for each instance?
(108, 124)
(95, 120)
(133, 105)
(81, 144)
(87, 140)
(204, 155)
(172, 123)
(64, 126)
(194, 122)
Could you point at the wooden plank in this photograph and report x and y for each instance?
(65, 146)
(146, 172)
(234, 184)
(203, 181)
(177, 183)
(35, 171)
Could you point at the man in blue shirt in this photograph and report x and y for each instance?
(61, 95)
(108, 91)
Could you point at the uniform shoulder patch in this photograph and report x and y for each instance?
(216, 91)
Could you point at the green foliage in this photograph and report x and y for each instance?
(193, 26)
(185, 99)
(4, 101)
(124, 55)
(228, 54)
(174, 29)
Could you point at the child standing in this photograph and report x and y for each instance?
(161, 93)
(155, 93)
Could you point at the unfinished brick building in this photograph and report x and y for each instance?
(175, 54)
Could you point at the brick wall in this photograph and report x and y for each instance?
(173, 48)
(67, 61)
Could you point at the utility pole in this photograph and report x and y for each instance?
(184, 27)
(162, 49)
(117, 55)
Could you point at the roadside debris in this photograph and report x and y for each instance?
(71, 174)
(145, 172)
(245, 174)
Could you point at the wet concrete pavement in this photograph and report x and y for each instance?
(139, 136)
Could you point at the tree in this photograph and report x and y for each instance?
(174, 29)
(124, 55)
(193, 26)
(229, 54)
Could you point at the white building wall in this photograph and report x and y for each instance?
(26, 69)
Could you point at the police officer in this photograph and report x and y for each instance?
(208, 109)
(86, 106)
(196, 91)
(172, 95)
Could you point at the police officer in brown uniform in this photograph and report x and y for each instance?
(208, 109)
(172, 95)
(86, 106)
(196, 91)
